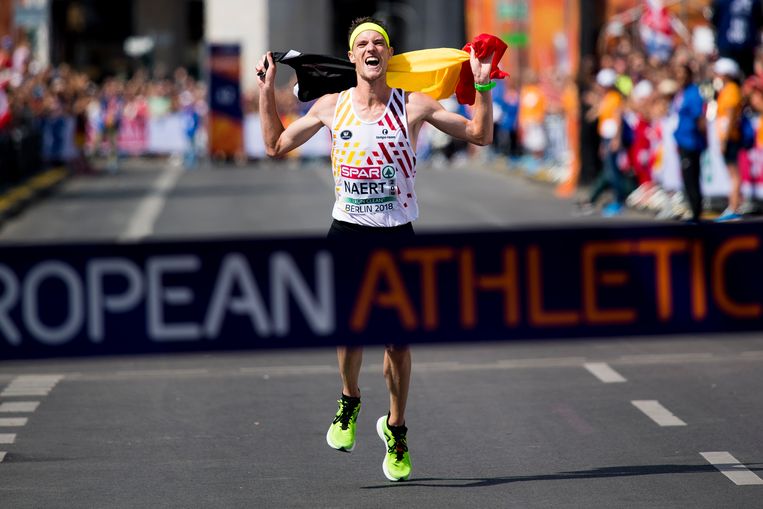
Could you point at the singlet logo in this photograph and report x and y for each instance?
(387, 134)
(346, 134)
(388, 172)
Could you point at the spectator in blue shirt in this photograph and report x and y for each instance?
(506, 139)
(191, 121)
(690, 135)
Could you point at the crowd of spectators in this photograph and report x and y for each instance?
(658, 102)
(51, 115)
(685, 100)
(58, 115)
(647, 101)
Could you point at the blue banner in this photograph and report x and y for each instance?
(225, 80)
(247, 293)
(226, 115)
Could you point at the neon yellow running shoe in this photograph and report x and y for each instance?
(341, 433)
(397, 461)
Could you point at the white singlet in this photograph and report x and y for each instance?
(374, 165)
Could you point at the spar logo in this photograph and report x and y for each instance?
(388, 172)
(368, 173)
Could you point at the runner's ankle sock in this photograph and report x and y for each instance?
(350, 400)
(396, 429)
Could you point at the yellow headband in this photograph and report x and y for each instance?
(368, 26)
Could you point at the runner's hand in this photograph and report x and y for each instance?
(267, 76)
(481, 67)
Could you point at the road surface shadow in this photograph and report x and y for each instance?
(596, 473)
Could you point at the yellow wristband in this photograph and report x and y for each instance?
(485, 87)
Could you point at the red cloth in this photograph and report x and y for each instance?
(641, 153)
(657, 19)
(5, 109)
(483, 44)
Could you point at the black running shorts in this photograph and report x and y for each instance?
(341, 229)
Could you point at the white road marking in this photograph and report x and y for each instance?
(437, 366)
(142, 222)
(604, 372)
(658, 413)
(729, 466)
(38, 379)
(542, 362)
(24, 392)
(321, 369)
(12, 422)
(23, 385)
(19, 406)
(31, 385)
(163, 372)
(666, 358)
(46, 380)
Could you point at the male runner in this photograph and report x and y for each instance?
(374, 130)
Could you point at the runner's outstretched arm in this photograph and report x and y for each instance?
(279, 140)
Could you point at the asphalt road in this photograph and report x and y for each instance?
(153, 200)
(596, 424)
(510, 425)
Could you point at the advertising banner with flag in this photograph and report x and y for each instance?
(226, 115)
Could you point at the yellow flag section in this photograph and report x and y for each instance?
(434, 72)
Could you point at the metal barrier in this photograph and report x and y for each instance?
(20, 153)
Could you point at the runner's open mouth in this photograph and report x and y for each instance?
(372, 61)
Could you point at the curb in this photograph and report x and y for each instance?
(17, 198)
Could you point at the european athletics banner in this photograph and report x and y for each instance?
(288, 293)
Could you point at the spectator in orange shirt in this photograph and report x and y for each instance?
(727, 123)
(608, 111)
(532, 113)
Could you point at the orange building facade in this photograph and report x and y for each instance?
(5, 17)
(540, 33)
(547, 33)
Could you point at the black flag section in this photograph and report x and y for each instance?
(318, 75)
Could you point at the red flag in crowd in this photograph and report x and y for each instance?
(656, 28)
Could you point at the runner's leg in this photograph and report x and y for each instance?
(397, 373)
(350, 359)
(690, 170)
(735, 196)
